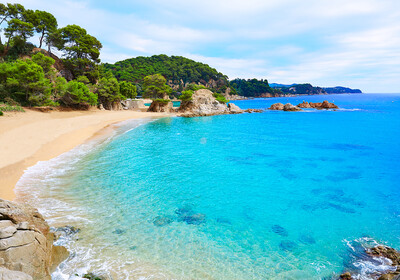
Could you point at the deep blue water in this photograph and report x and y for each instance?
(276, 195)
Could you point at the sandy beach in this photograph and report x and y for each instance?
(29, 137)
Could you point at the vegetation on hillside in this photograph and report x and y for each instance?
(252, 87)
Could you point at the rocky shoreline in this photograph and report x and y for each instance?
(325, 105)
(26, 244)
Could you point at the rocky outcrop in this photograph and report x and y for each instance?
(164, 106)
(324, 105)
(26, 243)
(304, 105)
(234, 109)
(390, 256)
(291, 108)
(6, 274)
(276, 106)
(203, 103)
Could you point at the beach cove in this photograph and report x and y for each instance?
(32, 136)
(169, 213)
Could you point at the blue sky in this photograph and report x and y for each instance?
(353, 43)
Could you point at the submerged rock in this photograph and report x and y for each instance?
(26, 243)
(195, 219)
(119, 231)
(66, 232)
(287, 245)
(161, 221)
(279, 230)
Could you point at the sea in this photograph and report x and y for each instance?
(272, 195)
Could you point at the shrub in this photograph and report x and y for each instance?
(195, 87)
(162, 101)
(1, 113)
(77, 93)
(219, 97)
(186, 95)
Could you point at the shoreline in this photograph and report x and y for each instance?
(30, 137)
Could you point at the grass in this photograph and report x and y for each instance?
(4, 107)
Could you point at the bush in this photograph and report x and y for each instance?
(10, 108)
(195, 87)
(220, 98)
(162, 101)
(77, 93)
(1, 113)
(186, 95)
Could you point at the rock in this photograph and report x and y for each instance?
(203, 103)
(287, 245)
(386, 252)
(304, 105)
(276, 106)
(279, 230)
(66, 232)
(253, 111)
(195, 219)
(345, 276)
(234, 109)
(26, 243)
(290, 108)
(324, 105)
(165, 106)
(161, 221)
(6, 274)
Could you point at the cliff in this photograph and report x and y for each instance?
(26, 244)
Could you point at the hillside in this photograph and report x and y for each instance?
(179, 71)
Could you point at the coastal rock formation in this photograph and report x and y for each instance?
(290, 107)
(305, 105)
(276, 106)
(253, 111)
(234, 109)
(203, 103)
(6, 274)
(26, 243)
(161, 105)
(381, 252)
(324, 105)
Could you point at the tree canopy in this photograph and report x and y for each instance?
(155, 87)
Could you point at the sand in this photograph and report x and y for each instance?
(29, 137)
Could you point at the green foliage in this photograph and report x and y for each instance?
(301, 89)
(108, 90)
(83, 79)
(1, 113)
(195, 87)
(127, 89)
(220, 98)
(45, 24)
(154, 86)
(77, 93)
(4, 107)
(162, 101)
(251, 87)
(186, 95)
(24, 81)
(44, 61)
(82, 50)
(174, 68)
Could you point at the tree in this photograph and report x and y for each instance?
(18, 29)
(77, 93)
(127, 89)
(44, 61)
(82, 50)
(11, 11)
(108, 91)
(155, 87)
(46, 24)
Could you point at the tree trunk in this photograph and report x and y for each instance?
(41, 40)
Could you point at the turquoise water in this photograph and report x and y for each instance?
(276, 195)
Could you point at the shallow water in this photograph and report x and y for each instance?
(276, 195)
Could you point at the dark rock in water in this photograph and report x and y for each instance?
(133, 248)
(161, 221)
(279, 230)
(224, 221)
(92, 276)
(119, 231)
(386, 252)
(195, 219)
(341, 208)
(287, 245)
(345, 276)
(307, 239)
(184, 211)
(65, 233)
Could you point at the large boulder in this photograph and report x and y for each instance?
(161, 105)
(324, 105)
(304, 105)
(26, 243)
(234, 109)
(6, 274)
(276, 106)
(203, 103)
(289, 107)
